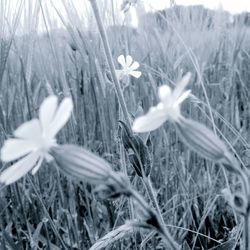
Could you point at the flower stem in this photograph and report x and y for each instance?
(159, 226)
(246, 231)
(152, 195)
(121, 100)
(162, 229)
(110, 61)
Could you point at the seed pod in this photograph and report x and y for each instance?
(136, 164)
(137, 151)
(202, 140)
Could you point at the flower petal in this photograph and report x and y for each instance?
(61, 117)
(15, 148)
(121, 60)
(184, 96)
(164, 93)
(135, 65)
(151, 121)
(19, 169)
(129, 60)
(135, 73)
(180, 86)
(28, 130)
(47, 111)
(38, 165)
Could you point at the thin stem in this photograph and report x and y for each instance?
(110, 61)
(161, 229)
(246, 231)
(148, 210)
(148, 185)
(126, 117)
(152, 195)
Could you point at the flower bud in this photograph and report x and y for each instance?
(137, 151)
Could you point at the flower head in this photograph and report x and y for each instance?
(34, 138)
(167, 109)
(128, 67)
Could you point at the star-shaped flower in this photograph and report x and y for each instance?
(167, 109)
(128, 67)
(34, 138)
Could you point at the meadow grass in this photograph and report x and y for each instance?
(52, 211)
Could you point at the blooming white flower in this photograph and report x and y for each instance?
(34, 138)
(167, 109)
(128, 67)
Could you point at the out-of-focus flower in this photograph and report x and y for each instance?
(34, 138)
(167, 109)
(194, 134)
(128, 67)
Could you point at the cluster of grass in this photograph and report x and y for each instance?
(50, 211)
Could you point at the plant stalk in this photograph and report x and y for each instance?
(162, 230)
(110, 61)
(246, 231)
(152, 196)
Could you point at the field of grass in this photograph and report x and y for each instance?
(53, 211)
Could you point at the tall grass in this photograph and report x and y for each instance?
(50, 211)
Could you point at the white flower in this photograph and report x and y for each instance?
(34, 138)
(167, 109)
(128, 67)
